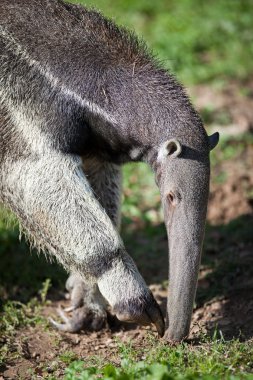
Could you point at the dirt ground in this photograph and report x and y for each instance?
(225, 291)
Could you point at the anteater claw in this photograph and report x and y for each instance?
(70, 308)
(143, 313)
(156, 317)
(71, 325)
(82, 318)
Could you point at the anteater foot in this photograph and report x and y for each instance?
(81, 319)
(87, 306)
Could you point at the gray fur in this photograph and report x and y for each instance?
(105, 180)
(73, 85)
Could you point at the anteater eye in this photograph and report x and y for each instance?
(171, 198)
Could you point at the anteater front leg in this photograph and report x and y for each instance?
(55, 203)
(87, 305)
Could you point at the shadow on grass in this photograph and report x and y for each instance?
(225, 289)
(24, 270)
(228, 287)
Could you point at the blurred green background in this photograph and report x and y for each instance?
(198, 40)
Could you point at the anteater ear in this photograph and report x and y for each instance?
(171, 148)
(213, 140)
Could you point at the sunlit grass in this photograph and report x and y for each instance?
(214, 359)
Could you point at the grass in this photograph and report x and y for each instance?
(198, 40)
(214, 359)
(16, 315)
